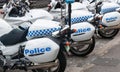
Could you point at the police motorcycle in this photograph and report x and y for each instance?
(18, 11)
(105, 7)
(83, 41)
(86, 7)
(38, 55)
(107, 10)
(106, 20)
(56, 7)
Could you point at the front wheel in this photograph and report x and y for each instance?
(61, 60)
(83, 50)
(108, 33)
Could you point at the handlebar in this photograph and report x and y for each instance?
(92, 1)
(55, 34)
(63, 32)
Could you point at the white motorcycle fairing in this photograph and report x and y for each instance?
(78, 6)
(85, 31)
(37, 50)
(111, 19)
(45, 27)
(43, 14)
(30, 16)
(75, 6)
(80, 16)
(42, 28)
(10, 50)
(77, 16)
(41, 50)
(109, 7)
(4, 27)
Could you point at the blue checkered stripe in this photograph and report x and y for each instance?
(80, 19)
(43, 32)
(106, 10)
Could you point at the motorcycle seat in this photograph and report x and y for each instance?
(14, 37)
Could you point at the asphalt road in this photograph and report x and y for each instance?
(104, 58)
(105, 55)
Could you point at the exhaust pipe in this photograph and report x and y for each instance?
(74, 44)
(43, 66)
(112, 27)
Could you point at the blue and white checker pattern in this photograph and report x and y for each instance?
(106, 10)
(43, 32)
(80, 19)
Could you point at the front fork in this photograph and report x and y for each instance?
(98, 26)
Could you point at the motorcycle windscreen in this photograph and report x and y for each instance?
(4, 27)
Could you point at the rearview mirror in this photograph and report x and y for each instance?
(99, 3)
(92, 1)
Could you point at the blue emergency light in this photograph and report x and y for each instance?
(69, 1)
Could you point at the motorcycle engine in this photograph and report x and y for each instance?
(1, 62)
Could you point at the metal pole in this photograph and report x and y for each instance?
(69, 17)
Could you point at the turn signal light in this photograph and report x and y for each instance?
(100, 26)
(1, 12)
(67, 43)
(49, 5)
(74, 30)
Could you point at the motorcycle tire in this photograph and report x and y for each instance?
(61, 66)
(86, 51)
(111, 34)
